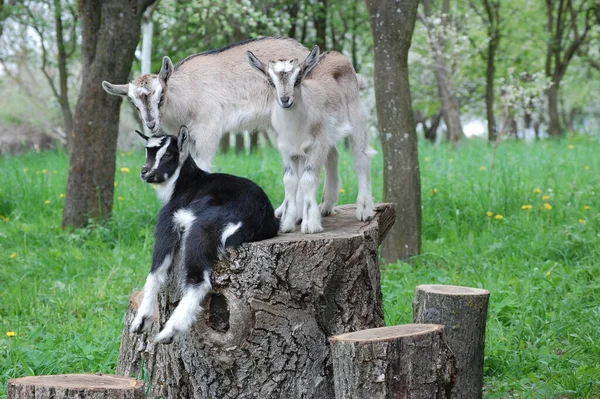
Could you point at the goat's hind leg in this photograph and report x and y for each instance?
(331, 191)
(166, 241)
(362, 154)
(200, 253)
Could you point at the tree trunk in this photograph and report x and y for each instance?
(489, 89)
(239, 143)
(410, 361)
(274, 304)
(554, 128)
(110, 32)
(393, 23)
(320, 23)
(462, 310)
(63, 75)
(147, 34)
(293, 8)
(83, 386)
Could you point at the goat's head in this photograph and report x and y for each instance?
(163, 156)
(286, 75)
(147, 94)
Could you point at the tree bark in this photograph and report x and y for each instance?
(554, 127)
(320, 23)
(450, 104)
(63, 74)
(393, 23)
(83, 386)
(274, 304)
(110, 32)
(462, 310)
(489, 88)
(410, 361)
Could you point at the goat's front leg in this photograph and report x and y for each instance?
(166, 241)
(206, 144)
(289, 211)
(331, 191)
(309, 184)
(198, 262)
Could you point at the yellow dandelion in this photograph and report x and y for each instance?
(482, 168)
(571, 147)
(582, 221)
(120, 198)
(547, 206)
(546, 198)
(125, 170)
(548, 273)
(116, 184)
(11, 334)
(537, 190)
(13, 255)
(426, 159)
(44, 171)
(2, 217)
(587, 207)
(434, 191)
(47, 202)
(55, 172)
(154, 186)
(342, 190)
(526, 206)
(498, 217)
(25, 170)
(61, 195)
(489, 214)
(587, 167)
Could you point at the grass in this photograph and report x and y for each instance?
(64, 293)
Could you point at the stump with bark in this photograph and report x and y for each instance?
(462, 310)
(274, 304)
(82, 386)
(410, 361)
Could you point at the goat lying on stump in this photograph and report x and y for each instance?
(204, 213)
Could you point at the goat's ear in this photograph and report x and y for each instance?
(183, 136)
(166, 70)
(256, 63)
(311, 61)
(115, 90)
(142, 135)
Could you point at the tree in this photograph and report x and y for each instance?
(110, 31)
(490, 16)
(568, 24)
(393, 22)
(437, 30)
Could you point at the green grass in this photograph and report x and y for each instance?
(64, 293)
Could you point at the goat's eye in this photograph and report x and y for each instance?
(297, 82)
(162, 98)
(270, 82)
(167, 155)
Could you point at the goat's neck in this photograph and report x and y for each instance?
(185, 173)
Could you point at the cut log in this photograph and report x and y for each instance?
(82, 386)
(410, 361)
(462, 310)
(274, 304)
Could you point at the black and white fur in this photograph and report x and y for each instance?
(203, 213)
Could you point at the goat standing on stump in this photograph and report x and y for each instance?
(318, 105)
(213, 93)
(204, 212)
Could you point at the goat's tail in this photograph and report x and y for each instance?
(362, 81)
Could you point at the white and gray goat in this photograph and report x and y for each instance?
(202, 214)
(317, 103)
(212, 93)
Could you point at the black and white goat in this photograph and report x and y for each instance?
(203, 213)
(316, 104)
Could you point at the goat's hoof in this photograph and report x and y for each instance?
(298, 222)
(141, 325)
(279, 212)
(288, 227)
(165, 337)
(364, 213)
(312, 228)
(326, 210)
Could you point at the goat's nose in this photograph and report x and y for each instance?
(145, 170)
(151, 125)
(285, 99)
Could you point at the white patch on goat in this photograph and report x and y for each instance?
(154, 282)
(154, 142)
(282, 66)
(141, 91)
(164, 190)
(186, 312)
(184, 218)
(160, 153)
(229, 230)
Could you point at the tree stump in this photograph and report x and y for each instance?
(274, 304)
(462, 310)
(410, 361)
(81, 386)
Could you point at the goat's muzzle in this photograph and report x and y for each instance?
(286, 102)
